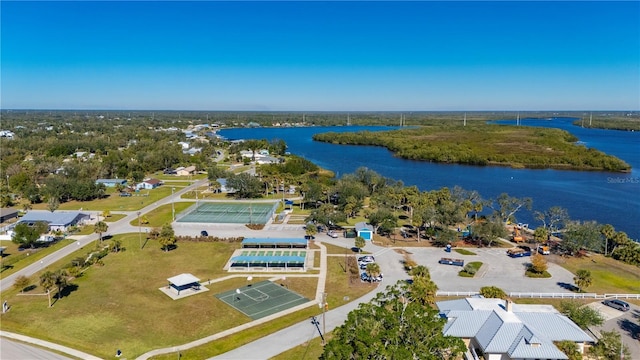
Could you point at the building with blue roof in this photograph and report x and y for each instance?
(364, 230)
(112, 182)
(57, 220)
(274, 243)
(496, 329)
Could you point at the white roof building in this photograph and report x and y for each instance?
(503, 330)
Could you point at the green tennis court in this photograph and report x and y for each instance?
(237, 213)
(261, 299)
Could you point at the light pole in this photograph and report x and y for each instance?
(139, 231)
(173, 208)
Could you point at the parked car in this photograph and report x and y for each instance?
(365, 277)
(332, 234)
(125, 194)
(204, 233)
(617, 304)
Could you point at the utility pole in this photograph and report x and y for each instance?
(173, 207)
(139, 231)
(324, 311)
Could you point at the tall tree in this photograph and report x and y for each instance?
(359, 243)
(553, 219)
(53, 203)
(393, 326)
(48, 282)
(610, 346)
(508, 206)
(245, 186)
(311, 230)
(583, 316)
(167, 237)
(26, 235)
(585, 235)
(61, 280)
(100, 228)
(582, 279)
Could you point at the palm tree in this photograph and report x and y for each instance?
(372, 270)
(311, 230)
(100, 227)
(61, 278)
(115, 245)
(420, 271)
(48, 281)
(423, 290)
(360, 243)
(583, 279)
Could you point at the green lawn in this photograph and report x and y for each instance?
(609, 275)
(115, 202)
(119, 306)
(113, 217)
(337, 289)
(464, 252)
(162, 214)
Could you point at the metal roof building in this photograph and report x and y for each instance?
(504, 330)
(57, 220)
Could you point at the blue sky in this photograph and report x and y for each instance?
(320, 56)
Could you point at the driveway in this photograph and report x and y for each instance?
(625, 323)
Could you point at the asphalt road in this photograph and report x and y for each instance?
(12, 350)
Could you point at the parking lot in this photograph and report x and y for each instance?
(497, 269)
(626, 323)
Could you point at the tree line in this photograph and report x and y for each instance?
(485, 144)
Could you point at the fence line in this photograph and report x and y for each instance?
(546, 295)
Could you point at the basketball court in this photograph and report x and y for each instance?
(261, 299)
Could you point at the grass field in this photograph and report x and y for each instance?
(115, 202)
(119, 306)
(609, 275)
(162, 214)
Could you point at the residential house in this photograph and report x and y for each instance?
(223, 186)
(57, 220)
(111, 182)
(364, 230)
(148, 184)
(7, 214)
(495, 329)
(185, 171)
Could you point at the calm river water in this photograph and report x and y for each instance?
(612, 198)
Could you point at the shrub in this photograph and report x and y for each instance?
(493, 292)
(21, 283)
(470, 269)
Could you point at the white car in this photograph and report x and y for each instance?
(332, 234)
